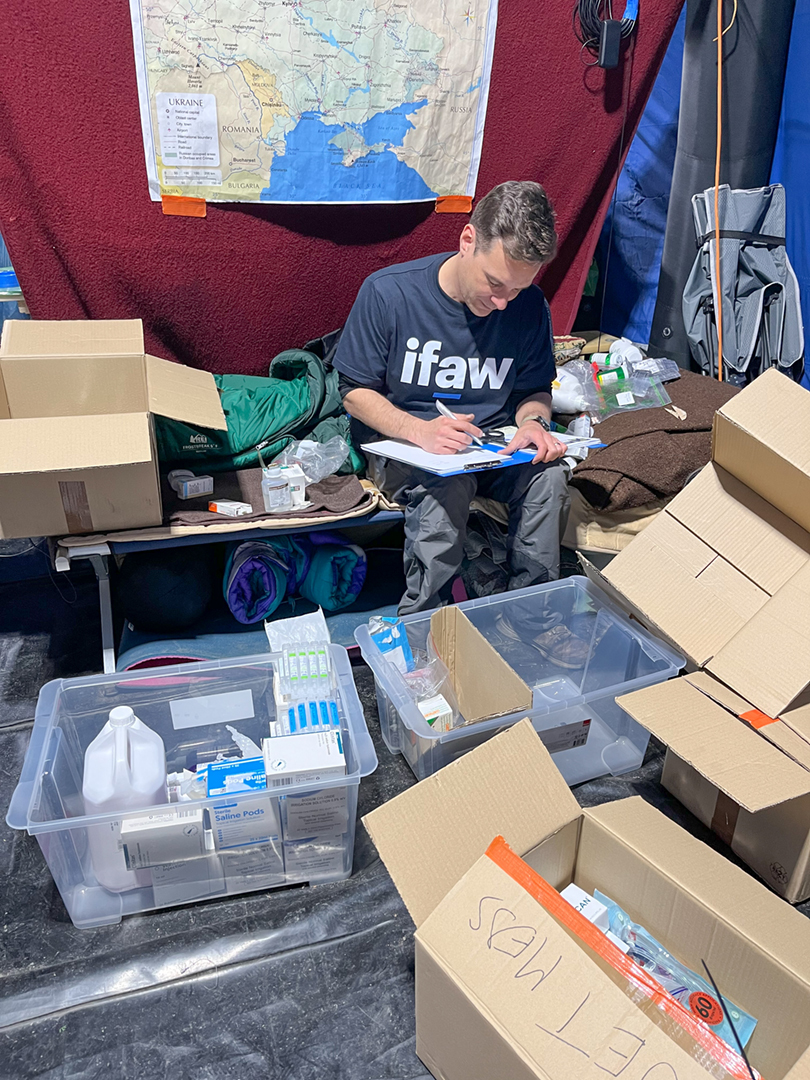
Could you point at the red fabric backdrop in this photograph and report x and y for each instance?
(229, 291)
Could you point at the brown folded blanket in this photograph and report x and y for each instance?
(334, 495)
(650, 454)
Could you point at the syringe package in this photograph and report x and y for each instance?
(305, 693)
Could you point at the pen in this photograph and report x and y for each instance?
(440, 405)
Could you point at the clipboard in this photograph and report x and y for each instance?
(473, 459)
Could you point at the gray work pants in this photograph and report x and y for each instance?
(436, 512)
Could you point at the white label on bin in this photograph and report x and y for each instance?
(182, 882)
(212, 709)
(323, 813)
(566, 737)
(252, 868)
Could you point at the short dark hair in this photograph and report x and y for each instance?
(519, 214)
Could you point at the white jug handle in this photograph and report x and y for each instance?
(123, 755)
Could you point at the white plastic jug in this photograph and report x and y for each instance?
(124, 769)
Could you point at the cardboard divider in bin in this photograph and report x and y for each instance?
(502, 656)
(723, 573)
(484, 684)
(508, 985)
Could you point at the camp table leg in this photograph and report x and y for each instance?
(98, 557)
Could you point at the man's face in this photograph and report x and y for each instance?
(488, 278)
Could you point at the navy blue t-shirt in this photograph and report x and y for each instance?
(408, 340)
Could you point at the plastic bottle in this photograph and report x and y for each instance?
(624, 349)
(124, 769)
(294, 475)
(189, 486)
(606, 376)
(275, 490)
(566, 393)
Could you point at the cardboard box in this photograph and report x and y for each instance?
(724, 573)
(77, 447)
(504, 989)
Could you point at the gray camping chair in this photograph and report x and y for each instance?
(762, 321)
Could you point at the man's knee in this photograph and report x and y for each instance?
(549, 483)
(451, 493)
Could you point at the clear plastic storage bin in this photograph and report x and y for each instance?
(573, 707)
(71, 712)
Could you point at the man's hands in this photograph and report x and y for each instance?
(445, 436)
(530, 433)
(439, 436)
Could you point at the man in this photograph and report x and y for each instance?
(472, 330)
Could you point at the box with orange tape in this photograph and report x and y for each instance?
(513, 983)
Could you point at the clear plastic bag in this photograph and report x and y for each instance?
(625, 392)
(427, 677)
(628, 395)
(689, 989)
(568, 392)
(317, 460)
(430, 679)
(309, 629)
(663, 369)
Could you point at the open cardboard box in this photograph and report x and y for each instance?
(724, 573)
(506, 990)
(77, 445)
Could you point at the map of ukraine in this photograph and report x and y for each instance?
(313, 100)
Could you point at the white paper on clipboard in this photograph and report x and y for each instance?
(472, 458)
(443, 464)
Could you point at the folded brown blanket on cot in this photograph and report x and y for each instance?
(650, 453)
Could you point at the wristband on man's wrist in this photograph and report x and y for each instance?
(541, 420)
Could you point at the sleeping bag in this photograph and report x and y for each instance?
(321, 567)
(255, 582)
(298, 399)
(336, 571)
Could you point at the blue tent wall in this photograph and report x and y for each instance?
(639, 214)
(8, 308)
(791, 162)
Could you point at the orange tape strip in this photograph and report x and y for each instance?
(547, 896)
(183, 206)
(758, 719)
(454, 204)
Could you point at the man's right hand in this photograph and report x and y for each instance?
(446, 436)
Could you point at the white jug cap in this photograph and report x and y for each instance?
(122, 716)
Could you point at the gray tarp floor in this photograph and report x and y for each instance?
(298, 984)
